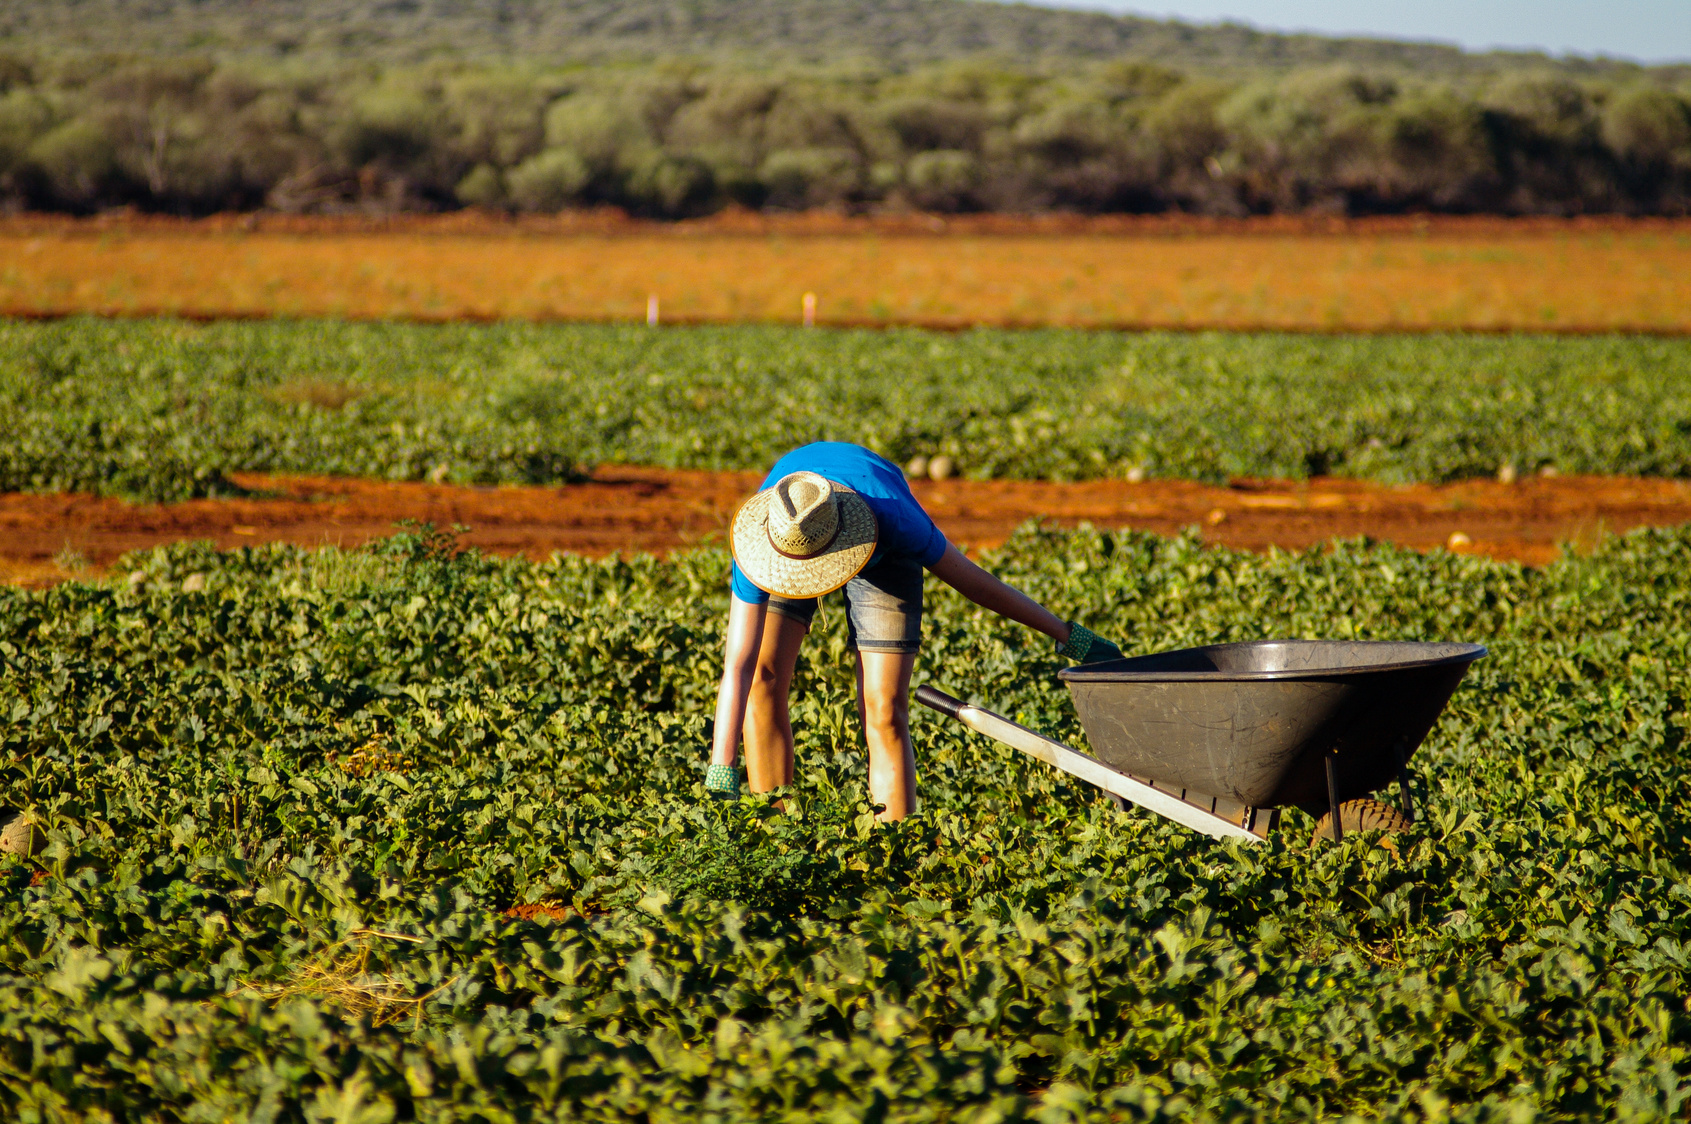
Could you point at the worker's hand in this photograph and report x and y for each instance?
(723, 782)
(1086, 646)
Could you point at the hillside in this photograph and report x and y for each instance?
(887, 33)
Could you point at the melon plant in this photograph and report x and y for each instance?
(412, 833)
(162, 409)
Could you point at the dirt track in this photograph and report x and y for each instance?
(646, 509)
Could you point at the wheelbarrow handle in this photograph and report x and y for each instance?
(935, 699)
(1087, 768)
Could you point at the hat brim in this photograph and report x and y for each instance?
(798, 578)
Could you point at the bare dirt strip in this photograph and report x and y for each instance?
(48, 538)
(1409, 273)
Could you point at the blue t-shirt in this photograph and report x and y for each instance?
(906, 531)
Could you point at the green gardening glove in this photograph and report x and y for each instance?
(1086, 646)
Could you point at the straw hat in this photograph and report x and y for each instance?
(804, 537)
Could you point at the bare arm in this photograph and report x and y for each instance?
(739, 661)
(989, 592)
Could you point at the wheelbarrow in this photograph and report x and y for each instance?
(1220, 738)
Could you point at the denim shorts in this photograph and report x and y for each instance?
(883, 607)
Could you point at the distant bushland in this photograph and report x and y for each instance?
(328, 107)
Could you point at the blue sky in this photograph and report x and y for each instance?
(1646, 30)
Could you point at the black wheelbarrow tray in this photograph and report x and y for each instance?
(1219, 738)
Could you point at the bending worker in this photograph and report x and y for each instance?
(828, 516)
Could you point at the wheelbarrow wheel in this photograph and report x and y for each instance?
(1361, 815)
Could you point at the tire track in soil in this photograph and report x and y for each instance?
(636, 509)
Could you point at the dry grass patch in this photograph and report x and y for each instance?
(374, 756)
(344, 976)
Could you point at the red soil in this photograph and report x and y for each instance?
(628, 509)
(1403, 273)
(542, 911)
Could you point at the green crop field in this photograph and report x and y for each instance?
(288, 812)
(167, 409)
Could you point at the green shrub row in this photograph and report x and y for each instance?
(287, 813)
(185, 131)
(165, 409)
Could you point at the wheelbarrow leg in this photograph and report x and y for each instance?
(1403, 783)
(1333, 796)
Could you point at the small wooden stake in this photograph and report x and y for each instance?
(652, 311)
(810, 310)
(1403, 783)
(1333, 797)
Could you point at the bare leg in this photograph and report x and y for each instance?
(769, 729)
(883, 700)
